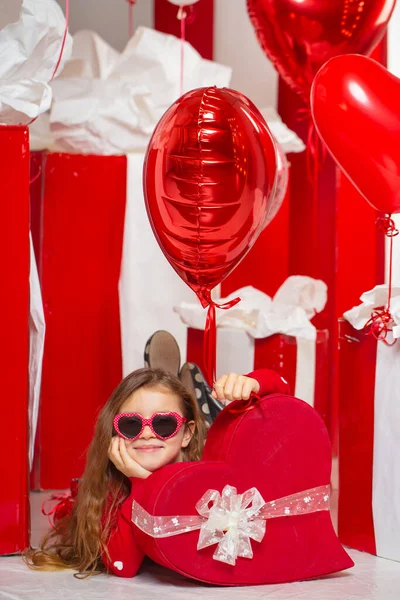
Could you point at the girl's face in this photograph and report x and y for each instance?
(148, 450)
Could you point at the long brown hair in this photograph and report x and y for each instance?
(81, 538)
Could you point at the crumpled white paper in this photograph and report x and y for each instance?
(375, 298)
(31, 34)
(297, 301)
(109, 103)
(287, 139)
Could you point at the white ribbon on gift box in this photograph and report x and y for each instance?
(259, 316)
(386, 447)
(148, 287)
(36, 348)
(232, 519)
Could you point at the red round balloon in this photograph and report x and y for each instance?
(299, 36)
(209, 179)
(355, 106)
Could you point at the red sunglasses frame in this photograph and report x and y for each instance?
(179, 422)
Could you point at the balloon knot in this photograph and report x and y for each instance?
(379, 325)
(387, 226)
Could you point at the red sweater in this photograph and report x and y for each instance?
(125, 556)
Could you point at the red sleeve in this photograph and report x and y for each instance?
(125, 557)
(270, 382)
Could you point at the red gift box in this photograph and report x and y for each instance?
(302, 363)
(82, 219)
(289, 454)
(369, 443)
(14, 307)
(95, 249)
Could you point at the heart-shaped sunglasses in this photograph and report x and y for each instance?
(164, 425)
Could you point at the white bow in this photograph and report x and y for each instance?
(231, 521)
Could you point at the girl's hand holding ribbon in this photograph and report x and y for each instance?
(235, 387)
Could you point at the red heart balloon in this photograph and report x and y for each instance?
(281, 447)
(209, 179)
(355, 106)
(299, 36)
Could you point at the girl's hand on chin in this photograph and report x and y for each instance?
(119, 456)
(235, 387)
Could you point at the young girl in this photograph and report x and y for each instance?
(149, 421)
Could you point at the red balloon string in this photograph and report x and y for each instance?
(182, 15)
(63, 40)
(315, 157)
(210, 339)
(243, 406)
(381, 320)
(131, 4)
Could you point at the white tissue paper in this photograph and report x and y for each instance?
(375, 298)
(297, 301)
(287, 139)
(31, 34)
(109, 103)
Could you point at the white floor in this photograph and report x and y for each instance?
(371, 579)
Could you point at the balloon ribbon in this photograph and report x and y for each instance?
(243, 406)
(381, 320)
(210, 339)
(185, 15)
(130, 16)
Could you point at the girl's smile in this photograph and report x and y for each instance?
(148, 448)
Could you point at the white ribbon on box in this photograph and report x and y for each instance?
(231, 520)
(257, 316)
(36, 348)
(31, 34)
(386, 471)
(148, 286)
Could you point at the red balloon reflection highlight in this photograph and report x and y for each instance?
(209, 178)
(299, 36)
(355, 106)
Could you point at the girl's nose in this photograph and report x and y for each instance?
(147, 432)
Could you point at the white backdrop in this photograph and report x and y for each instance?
(235, 44)
(109, 18)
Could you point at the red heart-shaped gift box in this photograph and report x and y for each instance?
(278, 445)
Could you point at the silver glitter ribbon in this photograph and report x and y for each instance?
(231, 520)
